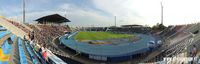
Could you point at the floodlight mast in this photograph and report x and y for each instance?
(115, 21)
(24, 11)
(161, 13)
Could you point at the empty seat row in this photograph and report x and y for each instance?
(22, 55)
(26, 52)
(6, 47)
(34, 60)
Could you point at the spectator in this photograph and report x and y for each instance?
(194, 53)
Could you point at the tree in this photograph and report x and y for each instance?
(159, 27)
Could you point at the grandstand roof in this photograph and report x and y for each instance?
(54, 18)
(131, 25)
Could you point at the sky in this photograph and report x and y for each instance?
(102, 12)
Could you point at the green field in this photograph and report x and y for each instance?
(99, 35)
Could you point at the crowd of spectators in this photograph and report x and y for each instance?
(44, 34)
(19, 26)
(48, 32)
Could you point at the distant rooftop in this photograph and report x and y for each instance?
(134, 25)
(54, 18)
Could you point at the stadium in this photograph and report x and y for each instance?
(26, 44)
(95, 44)
(53, 40)
(129, 43)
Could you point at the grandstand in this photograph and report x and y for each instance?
(16, 49)
(122, 29)
(54, 42)
(178, 42)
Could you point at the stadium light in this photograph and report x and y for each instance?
(24, 11)
(115, 21)
(161, 12)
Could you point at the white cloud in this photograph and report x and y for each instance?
(89, 17)
(132, 11)
(127, 12)
(77, 16)
(148, 11)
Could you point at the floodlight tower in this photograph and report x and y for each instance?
(115, 21)
(24, 11)
(161, 13)
(65, 13)
(65, 10)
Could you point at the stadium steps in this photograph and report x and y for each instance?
(26, 53)
(177, 32)
(179, 48)
(195, 27)
(162, 50)
(14, 56)
(188, 27)
(192, 27)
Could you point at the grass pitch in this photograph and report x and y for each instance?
(99, 35)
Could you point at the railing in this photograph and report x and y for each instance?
(37, 54)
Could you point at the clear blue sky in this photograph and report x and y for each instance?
(102, 12)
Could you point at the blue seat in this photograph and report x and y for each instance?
(23, 59)
(3, 33)
(6, 47)
(2, 28)
(13, 37)
(31, 54)
(4, 62)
